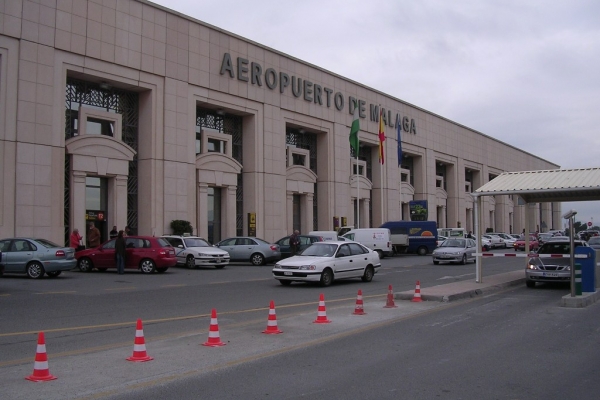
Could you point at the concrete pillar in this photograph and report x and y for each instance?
(77, 194)
(229, 230)
(364, 213)
(289, 206)
(202, 207)
(307, 212)
(120, 201)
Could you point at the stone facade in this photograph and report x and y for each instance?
(162, 164)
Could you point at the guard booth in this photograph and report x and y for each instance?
(545, 186)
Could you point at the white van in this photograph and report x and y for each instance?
(326, 235)
(377, 239)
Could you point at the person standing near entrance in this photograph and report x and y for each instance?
(93, 236)
(75, 241)
(114, 233)
(294, 242)
(120, 253)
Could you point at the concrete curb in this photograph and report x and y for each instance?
(586, 299)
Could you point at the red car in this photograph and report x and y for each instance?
(520, 243)
(146, 253)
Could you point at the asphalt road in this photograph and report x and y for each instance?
(89, 319)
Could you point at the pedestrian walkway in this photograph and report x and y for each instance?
(493, 283)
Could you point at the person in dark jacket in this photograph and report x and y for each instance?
(294, 242)
(120, 252)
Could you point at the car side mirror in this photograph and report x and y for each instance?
(180, 246)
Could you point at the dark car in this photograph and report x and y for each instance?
(36, 257)
(549, 268)
(305, 241)
(146, 253)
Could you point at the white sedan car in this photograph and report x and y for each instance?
(325, 261)
(194, 252)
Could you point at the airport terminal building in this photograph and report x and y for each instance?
(123, 112)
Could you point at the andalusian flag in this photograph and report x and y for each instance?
(354, 130)
(381, 136)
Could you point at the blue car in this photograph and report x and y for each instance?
(36, 257)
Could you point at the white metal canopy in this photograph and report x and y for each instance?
(556, 185)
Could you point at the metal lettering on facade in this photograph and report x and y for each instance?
(253, 73)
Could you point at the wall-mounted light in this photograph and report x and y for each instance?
(301, 131)
(220, 111)
(104, 85)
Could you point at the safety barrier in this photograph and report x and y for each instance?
(530, 255)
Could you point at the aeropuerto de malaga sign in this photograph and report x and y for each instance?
(252, 72)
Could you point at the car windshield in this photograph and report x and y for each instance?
(594, 240)
(46, 243)
(196, 242)
(163, 242)
(320, 250)
(453, 243)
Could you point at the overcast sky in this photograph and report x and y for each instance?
(526, 72)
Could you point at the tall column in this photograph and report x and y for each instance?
(230, 214)
(120, 203)
(289, 206)
(364, 213)
(307, 212)
(202, 207)
(77, 199)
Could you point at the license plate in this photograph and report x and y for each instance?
(551, 274)
(219, 260)
(288, 273)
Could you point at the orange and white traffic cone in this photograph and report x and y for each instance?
(390, 299)
(358, 310)
(417, 297)
(139, 345)
(41, 372)
(321, 313)
(214, 340)
(272, 321)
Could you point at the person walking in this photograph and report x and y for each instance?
(294, 242)
(75, 240)
(93, 236)
(120, 253)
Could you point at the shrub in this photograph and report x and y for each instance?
(180, 227)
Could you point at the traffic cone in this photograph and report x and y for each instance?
(321, 314)
(272, 321)
(358, 310)
(40, 366)
(390, 299)
(213, 333)
(417, 297)
(139, 345)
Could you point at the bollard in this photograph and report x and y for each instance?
(577, 279)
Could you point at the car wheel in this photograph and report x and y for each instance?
(162, 270)
(436, 262)
(379, 253)
(285, 283)
(190, 262)
(35, 270)
(326, 277)
(85, 264)
(368, 275)
(464, 259)
(147, 266)
(530, 284)
(257, 259)
(422, 251)
(53, 274)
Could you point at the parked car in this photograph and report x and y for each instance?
(455, 250)
(194, 251)
(440, 240)
(36, 257)
(520, 244)
(508, 239)
(146, 253)
(551, 269)
(486, 244)
(544, 237)
(558, 238)
(305, 240)
(495, 240)
(594, 242)
(246, 248)
(324, 262)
